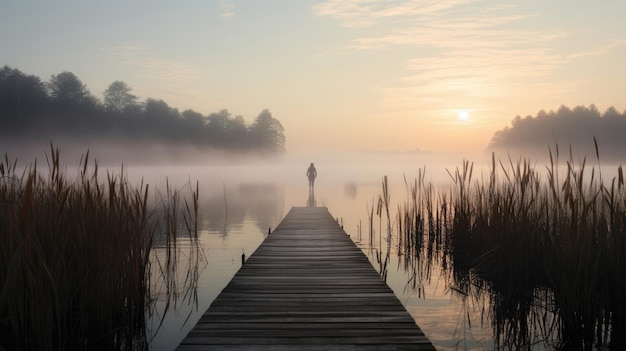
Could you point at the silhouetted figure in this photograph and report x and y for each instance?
(311, 173)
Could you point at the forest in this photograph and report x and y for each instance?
(63, 108)
(573, 129)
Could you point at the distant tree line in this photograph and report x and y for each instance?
(566, 127)
(64, 107)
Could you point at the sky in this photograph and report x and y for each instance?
(349, 75)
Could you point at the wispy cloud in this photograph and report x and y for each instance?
(362, 13)
(153, 67)
(598, 51)
(170, 79)
(227, 9)
(463, 48)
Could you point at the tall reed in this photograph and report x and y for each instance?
(548, 248)
(75, 256)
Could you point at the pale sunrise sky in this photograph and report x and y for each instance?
(339, 74)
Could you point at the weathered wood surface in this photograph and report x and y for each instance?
(307, 287)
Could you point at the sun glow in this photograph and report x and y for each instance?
(463, 115)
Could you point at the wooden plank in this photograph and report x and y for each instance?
(306, 287)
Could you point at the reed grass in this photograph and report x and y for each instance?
(75, 256)
(548, 248)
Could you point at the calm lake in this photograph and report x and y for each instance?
(238, 204)
(502, 265)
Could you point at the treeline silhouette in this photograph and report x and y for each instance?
(63, 107)
(565, 127)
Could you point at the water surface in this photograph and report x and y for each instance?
(237, 211)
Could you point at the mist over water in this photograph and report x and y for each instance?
(291, 169)
(240, 201)
(241, 197)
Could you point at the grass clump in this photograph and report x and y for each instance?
(75, 257)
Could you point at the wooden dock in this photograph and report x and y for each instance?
(307, 287)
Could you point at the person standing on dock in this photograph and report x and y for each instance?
(311, 173)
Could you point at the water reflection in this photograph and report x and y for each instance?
(226, 209)
(234, 220)
(448, 291)
(412, 253)
(310, 202)
(515, 308)
(538, 258)
(350, 190)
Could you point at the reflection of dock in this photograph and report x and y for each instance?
(307, 287)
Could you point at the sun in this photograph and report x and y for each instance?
(463, 115)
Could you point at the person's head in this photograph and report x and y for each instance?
(312, 164)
